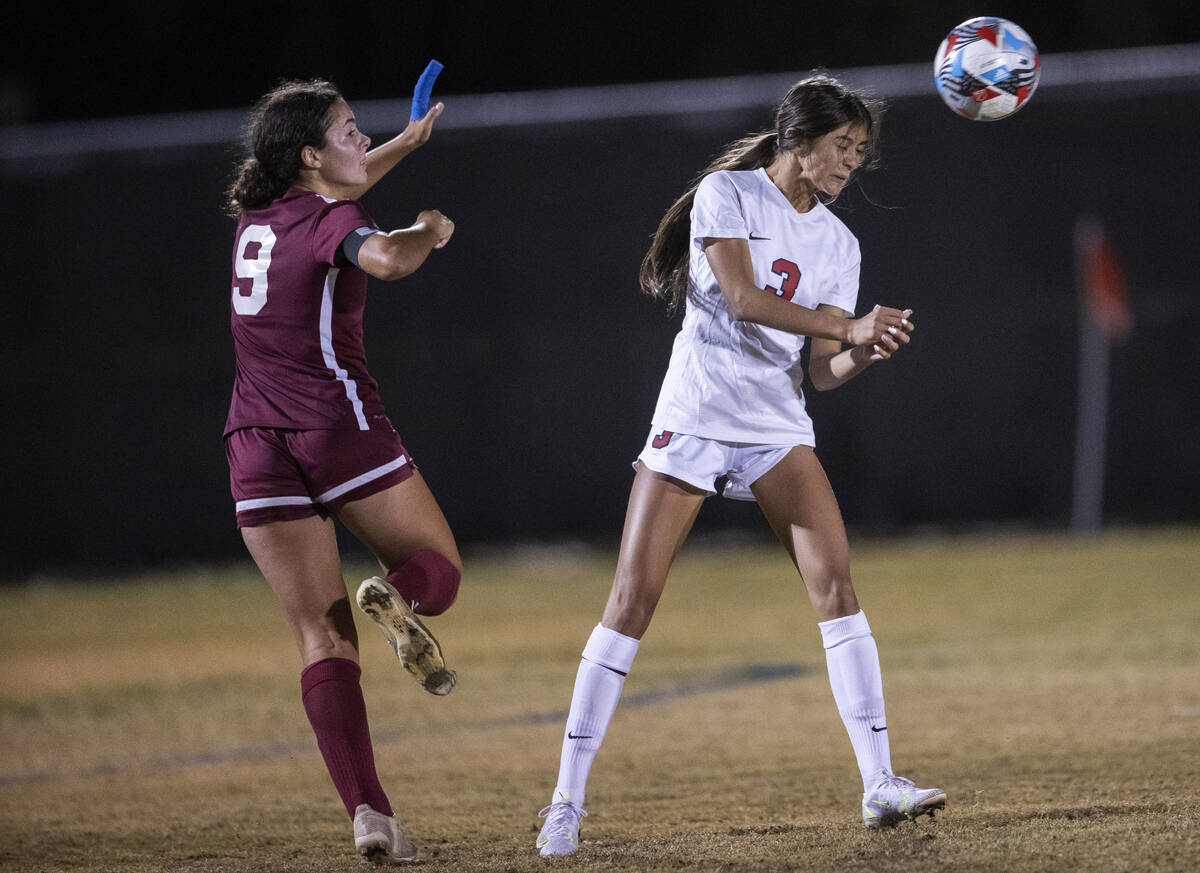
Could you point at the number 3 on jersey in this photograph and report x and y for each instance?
(251, 262)
(790, 273)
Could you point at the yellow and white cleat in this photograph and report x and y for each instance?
(412, 642)
(560, 833)
(895, 798)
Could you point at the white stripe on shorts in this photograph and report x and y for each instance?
(261, 502)
(369, 476)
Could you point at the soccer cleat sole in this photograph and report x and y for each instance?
(414, 645)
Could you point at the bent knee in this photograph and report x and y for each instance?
(427, 580)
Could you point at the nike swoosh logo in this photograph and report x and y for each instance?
(571, 736)
(752, 236)
(877, 730)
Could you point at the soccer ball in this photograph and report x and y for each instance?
(986, 69)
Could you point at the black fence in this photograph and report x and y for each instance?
(521, 365)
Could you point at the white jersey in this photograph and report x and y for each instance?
(735, 380)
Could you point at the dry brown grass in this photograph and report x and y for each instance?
(1050, 685)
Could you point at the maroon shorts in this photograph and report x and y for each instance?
(283, 475)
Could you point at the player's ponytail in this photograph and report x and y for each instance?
(252, 187)
(287, 118)
(812, 108)
(664, 272)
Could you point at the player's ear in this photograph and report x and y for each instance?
(793, 140)
(310, 157)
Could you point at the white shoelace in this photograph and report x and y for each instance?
(894, 781)
(562, 818)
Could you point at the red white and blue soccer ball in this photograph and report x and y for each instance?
(986, 69)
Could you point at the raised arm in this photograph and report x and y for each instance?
(381, 159)
(734, 271)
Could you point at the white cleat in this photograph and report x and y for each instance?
(380, 839)
(412, 642)
(560, 833)
(895, 798)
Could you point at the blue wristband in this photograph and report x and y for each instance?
(420, 101)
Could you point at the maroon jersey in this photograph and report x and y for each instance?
(297, 318)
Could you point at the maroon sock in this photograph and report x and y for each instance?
(334, 703)
(427, 581)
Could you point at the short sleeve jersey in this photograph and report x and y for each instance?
(297, 318)
(734, 380)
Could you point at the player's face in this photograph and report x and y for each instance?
(344, 155)
(835, 156)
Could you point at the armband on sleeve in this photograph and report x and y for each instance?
(353, 242)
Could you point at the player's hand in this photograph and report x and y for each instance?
(418, 132)
(442, 227)
(894, 338)
(879, 322)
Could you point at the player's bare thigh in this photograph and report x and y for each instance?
(299, 560)
(400, 520)
(800, 506)
(660, 515)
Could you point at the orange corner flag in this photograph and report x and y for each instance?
(1102, 286)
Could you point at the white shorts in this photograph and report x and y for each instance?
(700, 461)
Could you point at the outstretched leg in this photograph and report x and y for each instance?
(660, 515)
(799, 504)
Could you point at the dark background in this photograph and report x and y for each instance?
(521, 364)
(114, 59)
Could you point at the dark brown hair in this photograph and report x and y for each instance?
(812, 108)
(287, 118)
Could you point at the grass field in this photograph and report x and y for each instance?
(1050, 685)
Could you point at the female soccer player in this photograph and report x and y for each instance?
(307, 436)
(763, 265)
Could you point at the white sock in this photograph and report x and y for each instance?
(853, 661)
(607, 658)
